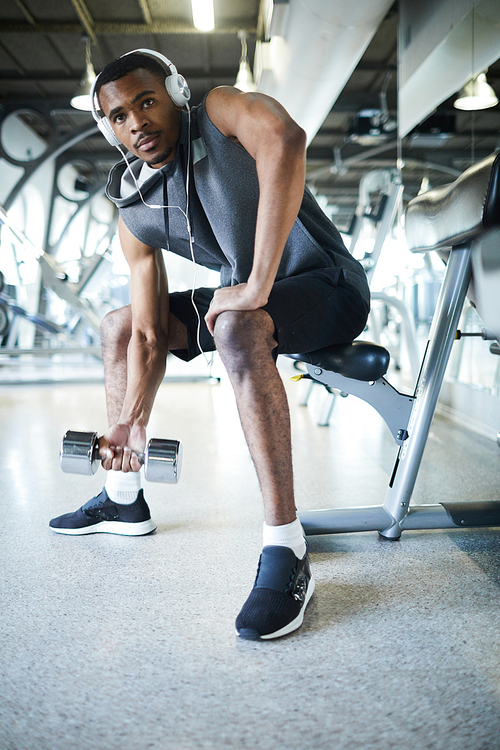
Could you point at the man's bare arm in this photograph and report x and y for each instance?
(264, 128)
(147, 350)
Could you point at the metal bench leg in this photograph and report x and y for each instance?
(326, 411)
(439, 345)
(304, 398)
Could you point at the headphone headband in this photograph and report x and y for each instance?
(175, 84)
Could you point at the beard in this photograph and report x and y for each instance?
(159, 158)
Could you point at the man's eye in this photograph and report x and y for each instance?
(148, 102)
(119, 119)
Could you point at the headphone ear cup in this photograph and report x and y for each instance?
(107, 131)
(178, 89)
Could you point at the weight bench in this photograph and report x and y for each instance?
(460, 220)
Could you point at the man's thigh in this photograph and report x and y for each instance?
(309, 311)
(190, 309)
(315, 309)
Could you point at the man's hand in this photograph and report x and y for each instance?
(118, 448)
(239, 297)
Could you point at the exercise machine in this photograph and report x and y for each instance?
(462, 222)
(387, 184)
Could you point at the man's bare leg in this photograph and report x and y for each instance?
(245, 342)
(284, 584)
(120, 508)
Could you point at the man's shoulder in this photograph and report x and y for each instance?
(214, 116)
(222, 93)
(219, 101)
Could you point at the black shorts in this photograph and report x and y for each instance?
(310, 311)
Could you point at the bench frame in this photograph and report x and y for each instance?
(409, 419)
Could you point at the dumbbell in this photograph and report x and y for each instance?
(162, 459)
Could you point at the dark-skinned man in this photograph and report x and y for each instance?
(231, 172)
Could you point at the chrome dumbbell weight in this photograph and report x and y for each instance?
(162, 459)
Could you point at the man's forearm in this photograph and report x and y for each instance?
(146, 363)
(281, 173)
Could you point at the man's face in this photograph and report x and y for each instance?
(142, 116)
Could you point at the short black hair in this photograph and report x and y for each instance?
(126, 64)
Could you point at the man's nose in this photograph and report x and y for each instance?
(137, 120)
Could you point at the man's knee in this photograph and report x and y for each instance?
(241, 333)
(116, 327)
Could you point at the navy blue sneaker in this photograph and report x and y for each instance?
(100, 514)
(281, 593)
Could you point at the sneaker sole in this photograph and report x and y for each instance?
(253, 635)
(111, 527)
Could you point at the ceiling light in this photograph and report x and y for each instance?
(244, 79)
(81, 99)
(476, 94)
(203, 14)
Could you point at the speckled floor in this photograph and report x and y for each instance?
(117, 643)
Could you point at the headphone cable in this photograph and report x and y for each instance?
(188, 224)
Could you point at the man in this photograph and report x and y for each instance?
(227, 180)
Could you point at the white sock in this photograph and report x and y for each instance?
(122, 488)
(289, 535)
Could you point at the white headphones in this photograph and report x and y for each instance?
(176, 86)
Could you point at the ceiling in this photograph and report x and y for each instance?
(42, 56)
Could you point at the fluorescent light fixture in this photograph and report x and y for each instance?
(476, 94)
(203, 14)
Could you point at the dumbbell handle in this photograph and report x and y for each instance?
(162, 459)
(140, 456)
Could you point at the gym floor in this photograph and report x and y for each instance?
(117, 643)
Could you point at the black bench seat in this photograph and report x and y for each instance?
(360, 360)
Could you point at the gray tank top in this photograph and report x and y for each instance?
(223, 200)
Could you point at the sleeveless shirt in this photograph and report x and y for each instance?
(223, 200)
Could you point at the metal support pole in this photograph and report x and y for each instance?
(441, 337)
